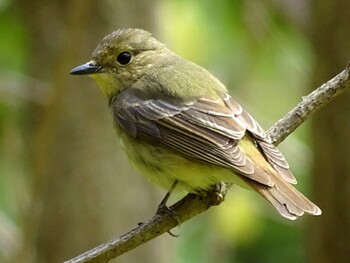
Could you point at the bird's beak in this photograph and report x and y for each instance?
(88, 68)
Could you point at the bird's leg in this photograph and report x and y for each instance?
(162, 204)
(163, 208)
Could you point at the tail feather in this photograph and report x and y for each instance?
(295, 197)
(287, 200)
(268, 162)
(271, 197)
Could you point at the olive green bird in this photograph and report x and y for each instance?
(179, 125)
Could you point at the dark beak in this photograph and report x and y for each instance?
(88, 68)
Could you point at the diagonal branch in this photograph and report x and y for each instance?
(310, 104)
(192, 204)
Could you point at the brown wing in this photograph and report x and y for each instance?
(271, 153)
(209, 131)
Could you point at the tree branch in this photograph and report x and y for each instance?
(310, 104)
(192, 204)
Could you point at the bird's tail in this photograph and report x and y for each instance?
(288, 201)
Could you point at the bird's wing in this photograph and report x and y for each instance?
(204, 129)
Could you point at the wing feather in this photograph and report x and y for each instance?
(203, 129)
(212, 131)
(271, 152)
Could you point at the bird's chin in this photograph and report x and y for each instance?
(107, 83)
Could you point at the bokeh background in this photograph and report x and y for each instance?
(65, 186)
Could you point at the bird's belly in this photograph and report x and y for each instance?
(164, 166)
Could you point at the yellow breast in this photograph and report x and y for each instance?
(164, 166)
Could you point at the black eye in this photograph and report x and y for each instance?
(124, 58)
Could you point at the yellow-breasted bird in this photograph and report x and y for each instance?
(178, 123)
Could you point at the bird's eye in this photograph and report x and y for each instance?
(124, 58)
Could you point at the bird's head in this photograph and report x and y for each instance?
(121, 58)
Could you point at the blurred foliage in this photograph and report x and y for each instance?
(13, 185)
(13, 51)
(13, 47)
(255, 50)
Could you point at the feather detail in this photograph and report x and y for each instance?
(217, 132)
(288, 201)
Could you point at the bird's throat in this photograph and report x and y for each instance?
(108, 84)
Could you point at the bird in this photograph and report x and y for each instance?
(179, 125)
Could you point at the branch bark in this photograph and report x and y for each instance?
(192, 204)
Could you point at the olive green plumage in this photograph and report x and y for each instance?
(177, 122)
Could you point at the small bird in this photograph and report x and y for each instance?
(178, 124)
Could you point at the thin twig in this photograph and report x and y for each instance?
(310, 104)
(192, 204)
